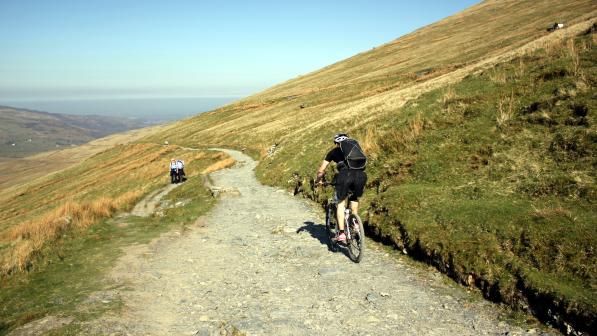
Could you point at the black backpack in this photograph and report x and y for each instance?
(353, 154)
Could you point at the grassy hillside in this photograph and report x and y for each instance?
(66, 276)
(491, 179)
(481, 134)
(15, 172)
(59, 233)
(403, 69)
(25, 132)
(35, 215)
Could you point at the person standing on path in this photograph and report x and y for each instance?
(350, 162)
(180, 169)
(173, 171)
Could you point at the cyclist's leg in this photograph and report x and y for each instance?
(341, 195)
(341, 206)
(354, 207)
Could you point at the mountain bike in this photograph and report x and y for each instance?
(353, 228)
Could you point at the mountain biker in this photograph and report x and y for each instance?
(180, 168)
(346, 179)
(173, 171)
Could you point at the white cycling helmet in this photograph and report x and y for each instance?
(340, 137)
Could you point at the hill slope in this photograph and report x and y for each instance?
(374, 82)
(481, 134)
(41, 164)
(25, 132)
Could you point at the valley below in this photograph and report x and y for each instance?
(481, 137)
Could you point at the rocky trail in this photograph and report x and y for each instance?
(258, 264)
(148, 205)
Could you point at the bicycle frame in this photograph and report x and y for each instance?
(333, 206)
(353, 229)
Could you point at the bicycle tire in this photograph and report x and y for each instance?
(330, 224)
(356, 245)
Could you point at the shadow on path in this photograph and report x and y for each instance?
(316, 231)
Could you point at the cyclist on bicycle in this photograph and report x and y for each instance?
(346, 179)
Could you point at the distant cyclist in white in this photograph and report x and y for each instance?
(173, 171)
(180, 168)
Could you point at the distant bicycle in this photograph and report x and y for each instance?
(353, 228)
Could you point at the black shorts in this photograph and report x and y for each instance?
(353, 180)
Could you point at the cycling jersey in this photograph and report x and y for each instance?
(337, 156)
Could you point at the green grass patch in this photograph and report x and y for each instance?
(492, 180)
(503, 186)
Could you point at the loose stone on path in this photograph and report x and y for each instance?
(257, 265)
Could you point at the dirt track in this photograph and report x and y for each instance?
(258, 263)
(147, 205)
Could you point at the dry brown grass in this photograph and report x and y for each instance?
(82, 195)
(400, 139)
(573, 53)
(415, 128)
(370, 142)
(505, 110)
(520, 68)
(380, 81)
(128, 199)
(263, 151)
(449, 95)
(498, 76)
(28, 238)
(223, 164)
(554, 47)
(31, 236)
(551, 212)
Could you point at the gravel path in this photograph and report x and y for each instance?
(147, 205)
(258, 264)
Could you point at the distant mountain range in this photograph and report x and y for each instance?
(24, 132)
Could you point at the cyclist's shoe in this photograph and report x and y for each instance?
(341, 238)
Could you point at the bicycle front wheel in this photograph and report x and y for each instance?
(356, 244)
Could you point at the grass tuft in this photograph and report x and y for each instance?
(31, 236)
(505, 110)
(224, 163)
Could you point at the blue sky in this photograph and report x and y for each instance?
(90, 49)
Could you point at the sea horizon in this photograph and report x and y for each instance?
(149, 109)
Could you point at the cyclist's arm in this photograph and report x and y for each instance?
(321, 170)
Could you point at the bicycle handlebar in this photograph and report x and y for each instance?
(320, 183)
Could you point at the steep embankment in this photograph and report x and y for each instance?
(481, 134)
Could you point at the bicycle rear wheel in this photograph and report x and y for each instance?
(330, 227)
(356, 245)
